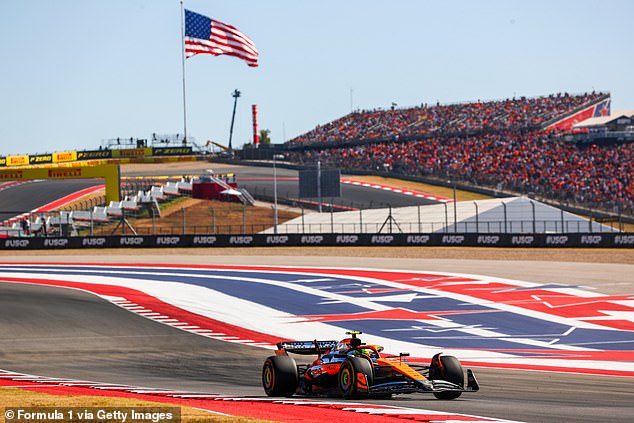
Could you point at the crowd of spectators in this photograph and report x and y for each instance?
(522, 113)
(498, 144)
(525, 162)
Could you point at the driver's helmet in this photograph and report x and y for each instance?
(343, 346)
(363, 351)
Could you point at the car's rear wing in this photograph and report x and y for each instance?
(306, 347)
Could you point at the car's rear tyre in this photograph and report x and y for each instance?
(447, 367)
(356, 375)
(279, 376)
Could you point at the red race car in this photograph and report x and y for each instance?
(353, 369)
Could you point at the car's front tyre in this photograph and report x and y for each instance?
(355, 377)
(447, 367)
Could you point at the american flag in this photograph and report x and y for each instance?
(204, 35)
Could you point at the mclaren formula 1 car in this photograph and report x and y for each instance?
(353, 369)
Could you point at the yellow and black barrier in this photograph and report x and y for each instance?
(124, 155)
(108, 172)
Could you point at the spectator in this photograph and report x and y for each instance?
(43, 229)
(496, 144)
(538, 162)
(514, 114)
(25, 225)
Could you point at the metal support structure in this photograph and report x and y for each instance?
(475, 203)
(332, 217)
(563, 229)
(455, 212)
(534, 224)
(319, 183)
(123, 222)
(390, 221)
(303, 230)
(419, 225)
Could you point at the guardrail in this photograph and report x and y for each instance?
(588, 240)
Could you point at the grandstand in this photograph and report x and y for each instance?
(516, 145)
(463, 118)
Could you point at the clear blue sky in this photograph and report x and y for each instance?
(76, 72)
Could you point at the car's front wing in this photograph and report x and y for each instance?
(425, 386)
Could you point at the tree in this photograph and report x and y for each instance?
(265, 136)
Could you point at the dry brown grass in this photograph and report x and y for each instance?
(14, 397)
(200, 216)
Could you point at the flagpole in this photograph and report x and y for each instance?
(183, 72)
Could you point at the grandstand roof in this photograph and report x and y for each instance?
(516, 212)
(604, 120)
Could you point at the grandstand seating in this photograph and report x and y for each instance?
(171, 188)
(496, 144)
(522, 113)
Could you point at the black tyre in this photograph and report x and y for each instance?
(279, 376)
(447, 367)
(351, 375)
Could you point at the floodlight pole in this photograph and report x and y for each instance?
(235, 96)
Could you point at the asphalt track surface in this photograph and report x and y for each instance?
(68, 333)
(18, 199)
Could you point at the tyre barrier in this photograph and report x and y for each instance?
(576, 240)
